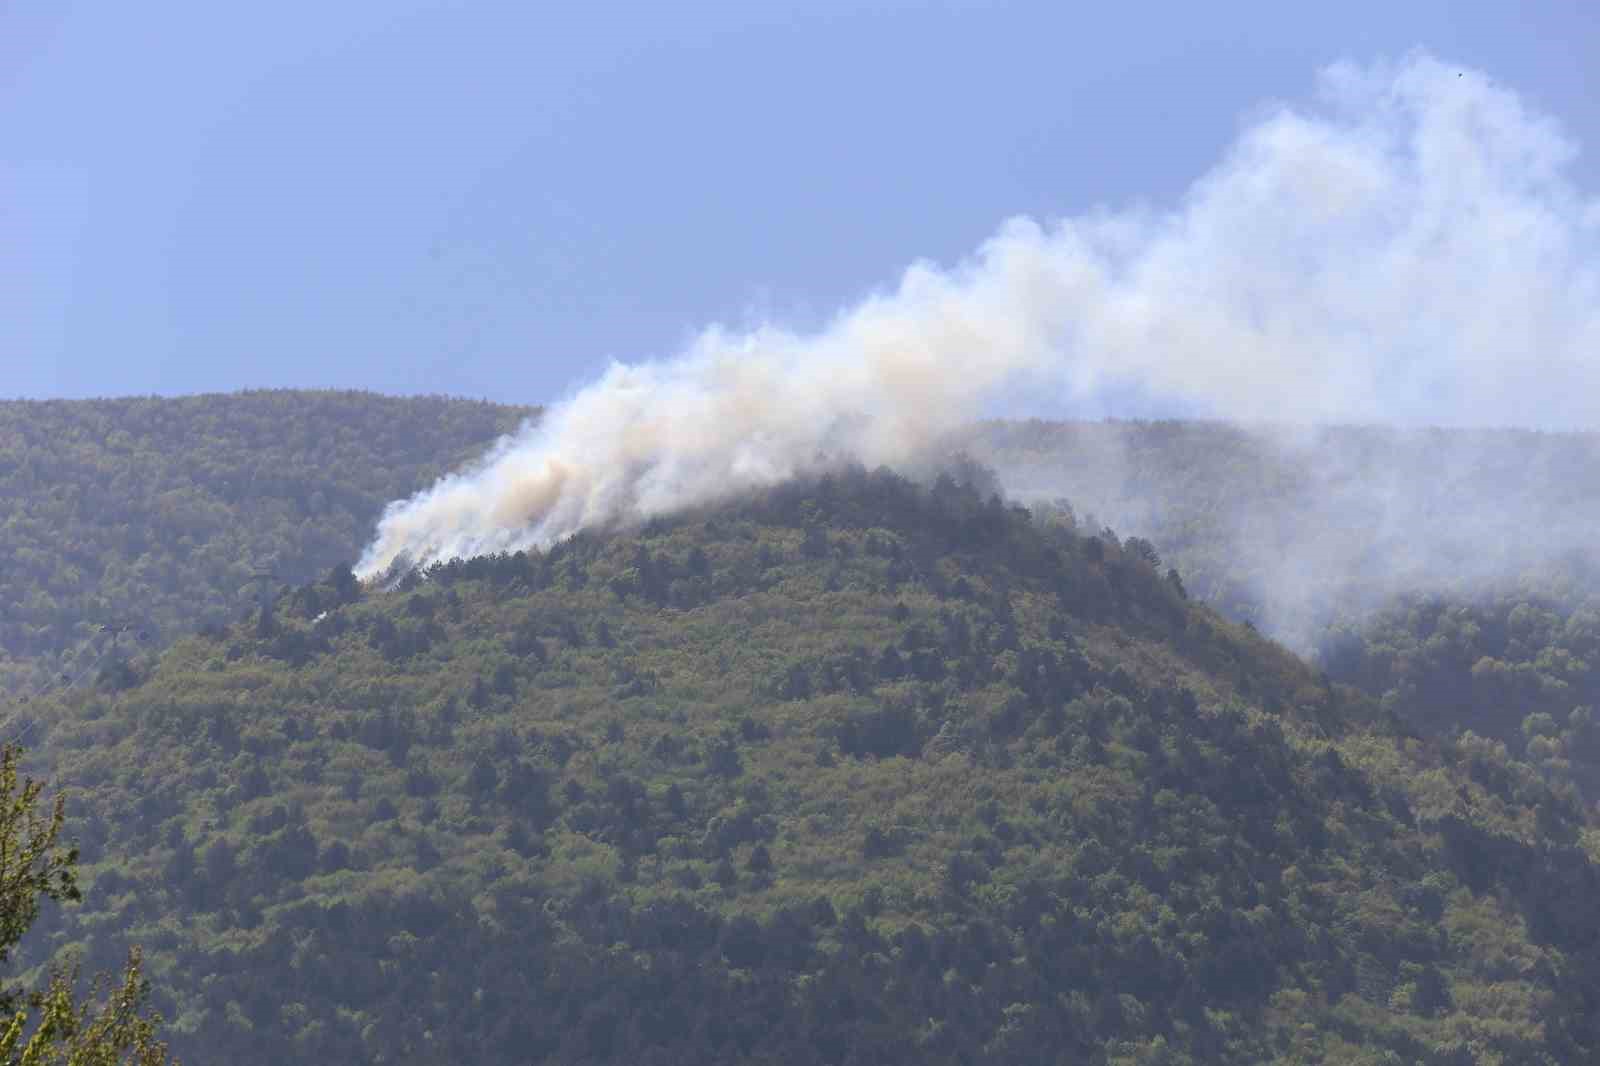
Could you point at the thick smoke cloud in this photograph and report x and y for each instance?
(1409, 251)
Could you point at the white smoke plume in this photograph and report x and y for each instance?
(1409, 251)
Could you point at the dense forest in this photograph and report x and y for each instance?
(858, 770)
(164, 512)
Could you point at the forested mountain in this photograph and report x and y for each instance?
(1395, 559)
(855, 770)
(858, 770)
(160, 512)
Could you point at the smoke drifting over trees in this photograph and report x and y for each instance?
(1408, 251)
(1299, 530)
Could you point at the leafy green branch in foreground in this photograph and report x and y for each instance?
(56, 1026)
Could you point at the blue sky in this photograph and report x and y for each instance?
(496, 199)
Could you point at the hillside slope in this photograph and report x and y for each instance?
(855, 771)
(159, 511)
(1449, 573)
(1452, 574)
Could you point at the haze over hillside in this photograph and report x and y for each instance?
(1300, 528)
(1453, 574)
